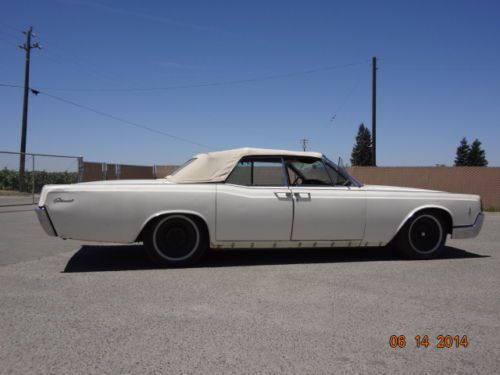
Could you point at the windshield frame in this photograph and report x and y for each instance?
(343, 172)
(182, 166)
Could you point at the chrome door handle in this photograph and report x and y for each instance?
(282, 195)
(302, 195)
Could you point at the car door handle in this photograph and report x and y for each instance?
(302, 195)
(282, 195)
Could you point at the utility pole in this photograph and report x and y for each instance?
(304, 143)
(374, 111)
(22, 157)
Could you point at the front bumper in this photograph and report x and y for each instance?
(469, 231)
(45, 222)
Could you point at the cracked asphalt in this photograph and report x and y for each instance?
(69, 307)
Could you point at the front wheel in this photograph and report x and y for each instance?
(175, 241)
(422, 237)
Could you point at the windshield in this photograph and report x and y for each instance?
(343, 171)
(182, 166)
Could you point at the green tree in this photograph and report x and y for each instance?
(477, 156)
(463, 151)
(362, 151)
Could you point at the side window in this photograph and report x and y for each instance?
(257, 171)
(307, 171)
(336, 177)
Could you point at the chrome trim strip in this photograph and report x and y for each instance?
(45, 222)
(469, 231)
(287, 244)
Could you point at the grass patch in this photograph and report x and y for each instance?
(13, 193)
(492, 209)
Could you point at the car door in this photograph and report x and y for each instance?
(326, 207)
(255, 204)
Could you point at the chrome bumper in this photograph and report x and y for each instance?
(469, 231)
(44, 219)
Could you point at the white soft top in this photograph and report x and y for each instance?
(216, 166)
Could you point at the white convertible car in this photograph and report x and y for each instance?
(257, 198)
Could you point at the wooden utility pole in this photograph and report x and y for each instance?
(304, 143)
(374, 111)
(22, 157)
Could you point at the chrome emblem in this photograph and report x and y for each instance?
(60, 200)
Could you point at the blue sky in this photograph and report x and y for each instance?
(438, 76)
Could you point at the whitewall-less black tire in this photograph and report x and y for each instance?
(423, 236)
(175, 240)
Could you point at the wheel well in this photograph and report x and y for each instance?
(445, 215)
(198, 219)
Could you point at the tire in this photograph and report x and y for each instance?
(175, 241)
(422, 237)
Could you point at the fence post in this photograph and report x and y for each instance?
(118, 171)
(154, 171)
(33, 177)
(104, 167)
(81, 169)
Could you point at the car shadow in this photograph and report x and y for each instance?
(132, 257)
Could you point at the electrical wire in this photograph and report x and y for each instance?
(346, 99)
(9, 85)
(113, 117)
(209, 84)
(153, 130)
(119, 119)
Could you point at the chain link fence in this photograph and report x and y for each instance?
(21, 186)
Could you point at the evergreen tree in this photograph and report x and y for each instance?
(362, 151)
(477, 156)
(463, 151)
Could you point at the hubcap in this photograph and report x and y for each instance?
(176, 238)
(425, 234)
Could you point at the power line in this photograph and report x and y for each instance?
(347, 97)
(111, 116)
(9, 85)
(119, 119)
(210, 84)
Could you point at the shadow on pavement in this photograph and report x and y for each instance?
(133, 257)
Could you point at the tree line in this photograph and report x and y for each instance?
(466, 155)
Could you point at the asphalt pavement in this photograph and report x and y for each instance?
(68, 307)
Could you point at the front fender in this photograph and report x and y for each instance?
(422, 208)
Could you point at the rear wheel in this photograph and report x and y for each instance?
(422, 237)
(176, 240)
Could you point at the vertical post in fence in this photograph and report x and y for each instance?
(33, 177)
(154, 171)
(104, 171)
(80, 169)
